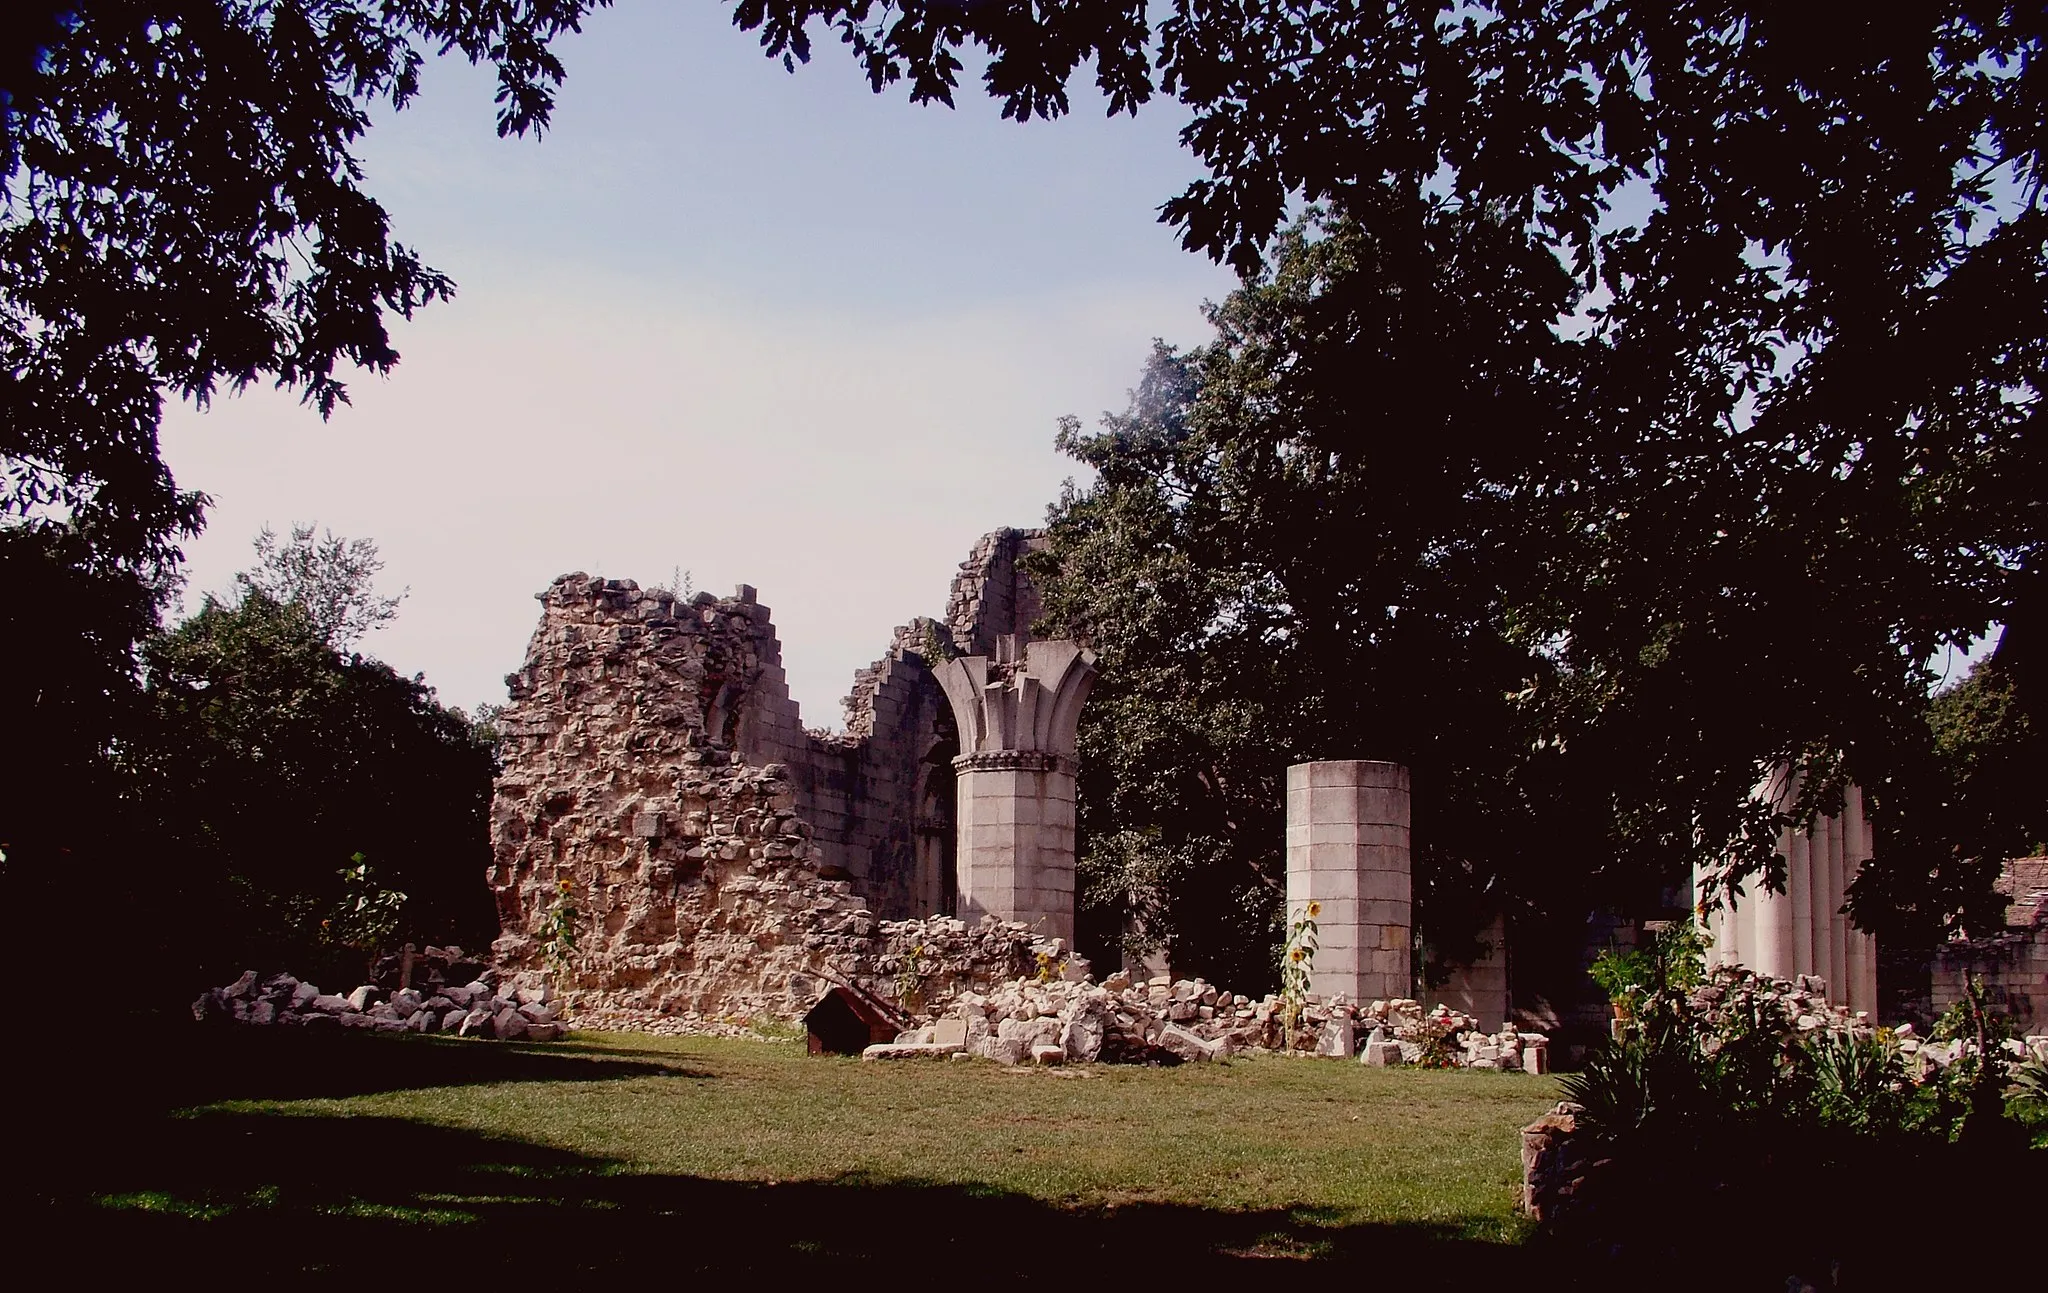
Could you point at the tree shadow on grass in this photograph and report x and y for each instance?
(243, 1197)
(171, 1065)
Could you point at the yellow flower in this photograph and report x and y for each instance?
(1315, 909)
(1294, 954)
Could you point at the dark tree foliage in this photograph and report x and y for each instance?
(272, 758)
(1781, 442)
(180, 211)
(251, 760)
(68, 633)
(1290, 553)
(1987, 749)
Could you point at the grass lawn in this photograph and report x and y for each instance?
(277, 1153)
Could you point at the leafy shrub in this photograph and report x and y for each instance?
(1749, 1091)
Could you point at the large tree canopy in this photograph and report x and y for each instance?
(268, 759)
(1696, 348)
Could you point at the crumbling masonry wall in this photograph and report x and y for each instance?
(721, 858)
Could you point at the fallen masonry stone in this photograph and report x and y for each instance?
(1005, 1050)
(1335, 1041)
(907, 1051)
(1081, 1038)
(1189, 1046)
(1048, 1054)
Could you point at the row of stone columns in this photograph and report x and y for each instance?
(1805, 930)
(1349, 844)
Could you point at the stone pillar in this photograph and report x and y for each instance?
(1804, 930)
(1348, 849)
(1017, 713)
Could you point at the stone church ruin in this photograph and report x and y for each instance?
(674, 850)
(723, 861)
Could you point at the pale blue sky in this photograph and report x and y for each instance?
(772, 329)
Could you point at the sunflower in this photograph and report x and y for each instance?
(1315, 909)
(1295, 954)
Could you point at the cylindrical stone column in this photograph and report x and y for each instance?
(1016, 838)
(1348, 849)
(1860, 992)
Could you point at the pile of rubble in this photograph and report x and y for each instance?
(480, 1008)
(1924, 1059)
(1734, 996)
(1071, 1020)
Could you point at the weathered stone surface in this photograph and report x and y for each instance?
(508, 1025)
(1189, 1046)
(1554, 1163)
(908, 1051)
(1081, 1037)
(725, 863)
(1336, 1040)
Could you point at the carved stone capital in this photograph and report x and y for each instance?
(1016, 761)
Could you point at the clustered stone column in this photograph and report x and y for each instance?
(1805, 930)
(1017, 713)
(1348, 849)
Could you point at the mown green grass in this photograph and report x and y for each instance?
(1348, 1143)
(283, 1155)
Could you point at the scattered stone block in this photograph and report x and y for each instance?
(907, 1051)
(1336, 1040)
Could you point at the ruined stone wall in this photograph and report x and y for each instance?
(723, 859)
(992, 595)
(882, 795)
(692, 874)
(2013, 962)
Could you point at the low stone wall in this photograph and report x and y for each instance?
(482, 1008)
